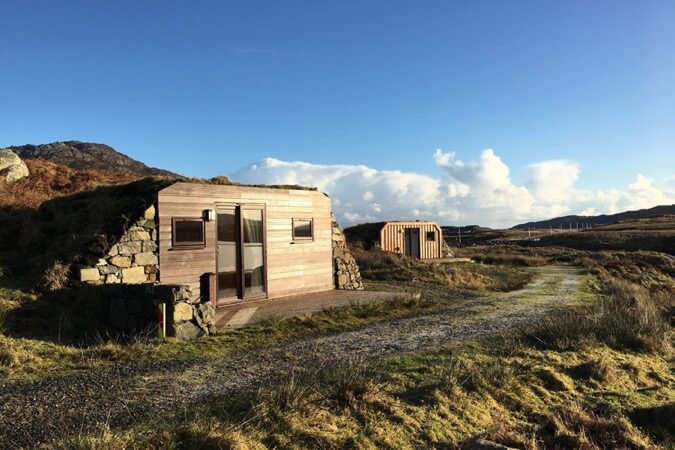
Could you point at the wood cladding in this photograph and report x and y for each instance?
(392, 238)
(293, 267)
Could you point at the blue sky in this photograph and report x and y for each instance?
(204, 88)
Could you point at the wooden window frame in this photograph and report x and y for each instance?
(191, 244)
(302, 238)
(433, 234)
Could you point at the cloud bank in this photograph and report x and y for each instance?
(472, 192)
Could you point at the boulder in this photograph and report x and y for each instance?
(112, 279)
(149, 246)
(182, 312)
(121, 261)
(149, 213)
(129, 248)
(90, 274)
(12, 168)
(108, 269)
(134, 275)
(187, 331)
(139, 235)
(145, 259)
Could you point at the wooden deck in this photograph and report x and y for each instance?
(242, 314)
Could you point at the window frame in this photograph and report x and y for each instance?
(433, 236)
(188, 244)
(311, 228)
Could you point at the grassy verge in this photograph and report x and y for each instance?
(500, 389)
(597, 376)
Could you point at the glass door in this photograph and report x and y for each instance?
(241, 253)
(228, 255)
(253, 252)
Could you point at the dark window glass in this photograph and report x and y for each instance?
(227, 226)
(431, 236)
(302, 229)
(188, 232)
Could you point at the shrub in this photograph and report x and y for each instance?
(598, 369)
(55, 277)
(347, 384)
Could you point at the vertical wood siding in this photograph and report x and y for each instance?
(292, 267)
(392, 237)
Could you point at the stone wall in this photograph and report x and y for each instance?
(134, 308)
(347, 273)
(133, 259)
(188, 320)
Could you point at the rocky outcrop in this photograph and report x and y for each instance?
(12, 168)
(133, 259)
(347, 273)
(87, 155)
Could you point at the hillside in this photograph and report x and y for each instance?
(603, 219)
(87, 155)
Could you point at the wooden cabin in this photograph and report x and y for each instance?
(417, 239)
(260, 242)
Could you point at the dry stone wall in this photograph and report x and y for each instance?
(133, 308)
(347, 273)
(188, 320)
(133, 259)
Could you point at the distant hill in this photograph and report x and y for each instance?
(87, 155)
(603, 219)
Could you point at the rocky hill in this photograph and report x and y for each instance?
(603, 219)
(87, 155)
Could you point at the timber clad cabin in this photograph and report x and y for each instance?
(185, 247)
(259, 242)
(422, 240)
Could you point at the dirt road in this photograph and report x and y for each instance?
(53, 407)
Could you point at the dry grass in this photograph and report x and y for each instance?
(628, 316)
(378, 265)
(439, 398)
(511, 260)
(56, 277)
(49, 180)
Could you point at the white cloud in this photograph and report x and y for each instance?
(472, 192)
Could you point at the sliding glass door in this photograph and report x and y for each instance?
(241, 253)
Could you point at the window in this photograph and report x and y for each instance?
(431, 236)
(187, 232)
(303, 229)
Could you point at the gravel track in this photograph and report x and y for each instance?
(54, 407)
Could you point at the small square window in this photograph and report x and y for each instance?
(431, 236)
(187, 232)
(303, 229)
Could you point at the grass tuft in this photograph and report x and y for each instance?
(627, 317)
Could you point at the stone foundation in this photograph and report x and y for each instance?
(134, 308)
(187, 320)
(347, 273)
(133, 259)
